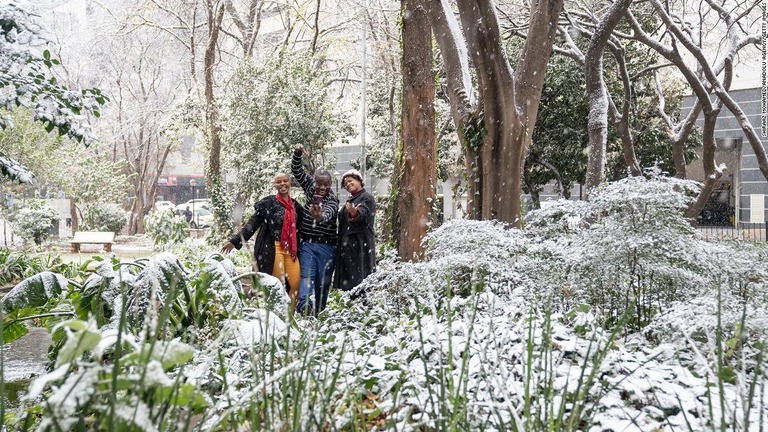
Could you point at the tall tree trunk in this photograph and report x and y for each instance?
(222, 220)
(415, 171)
(711, 172)
(75, 225)
(504, 140)
(509, 100)
(453, 48)
(622, 121)
(597, 123)
(496, 132)
(216, 14)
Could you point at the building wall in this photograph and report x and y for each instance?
(749, 184)
(346, 154)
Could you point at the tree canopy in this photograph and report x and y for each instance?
(26, 81)
(269, 109)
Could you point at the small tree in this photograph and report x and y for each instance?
(165, 228)
(271, 108)
(105, 217)
(34, 222)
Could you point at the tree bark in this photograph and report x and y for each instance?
(622, 121)
(597, 123)
(75, 224)
(712, 173)
(222, 219)
(453, 48)
(509, 100)
(415, 171)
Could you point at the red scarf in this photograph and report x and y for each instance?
(288, 237)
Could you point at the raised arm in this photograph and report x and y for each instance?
(304, 179)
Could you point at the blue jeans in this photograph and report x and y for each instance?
(316, 260)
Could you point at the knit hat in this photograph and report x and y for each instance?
(352, 173)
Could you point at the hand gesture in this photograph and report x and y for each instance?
(227, 248)
(316, 210)
(351, 209)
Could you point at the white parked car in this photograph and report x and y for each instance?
(199, 202)
(201, 217)
(164, 205)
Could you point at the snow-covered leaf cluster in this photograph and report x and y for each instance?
(25, 78)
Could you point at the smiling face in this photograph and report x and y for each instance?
(351, 184)
(283, 184)
(322, 184)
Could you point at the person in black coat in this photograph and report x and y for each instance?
(356, 250)
(277, 219)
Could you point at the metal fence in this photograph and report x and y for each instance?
(756, 232)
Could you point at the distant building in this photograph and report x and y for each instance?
(740, 195)
(182, 178)
(347, 155)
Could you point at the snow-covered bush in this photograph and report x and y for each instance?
(34, 222)
(640, 252)
(105, 217)
(462, 256)
(165, 228)
(626, 251)
(27, 81)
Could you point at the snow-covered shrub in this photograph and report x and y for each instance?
(105, 217)
(561, 218)
(165, 228)
(731, 310)
(627, 250)
(462, 256)
(706, 321)
(191, 250)
(17, 265)
(34, 222)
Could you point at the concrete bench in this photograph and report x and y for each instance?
(105, 238)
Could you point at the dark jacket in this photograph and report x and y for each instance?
(267, 219)
(356, 250)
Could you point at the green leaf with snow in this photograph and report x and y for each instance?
(133, 415)
(183, 395)
(34, 291)
(13, 331)
(727, 374)
(100, 291)
(162, 282)
(214, 293)
(170, 354)
(82, 336)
